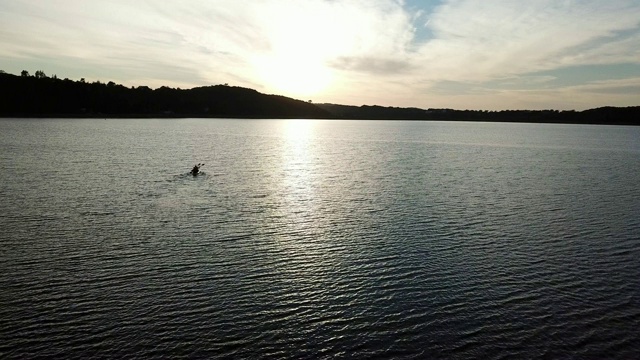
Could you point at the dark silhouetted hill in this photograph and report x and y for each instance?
(39, 96)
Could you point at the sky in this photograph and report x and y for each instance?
(460, 54)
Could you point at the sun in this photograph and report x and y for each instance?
(295, 76)
(294, 73)
(298, 50)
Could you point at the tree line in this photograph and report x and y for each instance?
(39, 95)
(604, 115)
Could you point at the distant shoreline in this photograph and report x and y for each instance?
(151, 116)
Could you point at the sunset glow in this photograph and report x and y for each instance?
(499, 54)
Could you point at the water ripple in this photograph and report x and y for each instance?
(363, 240)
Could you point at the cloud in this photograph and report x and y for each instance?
(352, 51)
(629, 87)
(371, 65)
(482, 40)
(477, 48)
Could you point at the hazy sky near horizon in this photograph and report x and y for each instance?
(462, 54)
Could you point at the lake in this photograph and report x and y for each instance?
(310, 239)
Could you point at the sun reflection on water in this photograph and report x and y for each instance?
(312, 256)
(297, 166)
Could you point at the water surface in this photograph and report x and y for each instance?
(318, 239)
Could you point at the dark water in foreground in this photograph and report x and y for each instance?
(318, 239)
